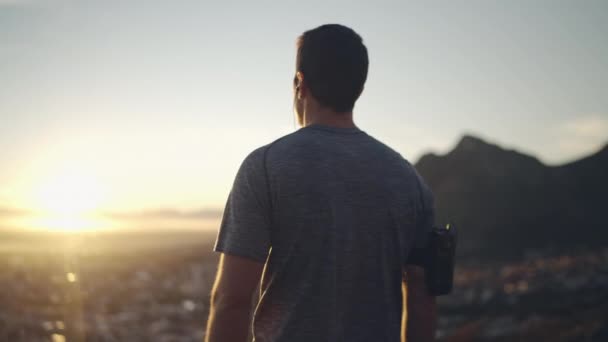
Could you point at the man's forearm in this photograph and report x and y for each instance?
(231, 299)
(228, 323)
(421, 322)
(420, 310)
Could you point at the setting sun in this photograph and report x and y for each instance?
(68, 202)
(69, 194)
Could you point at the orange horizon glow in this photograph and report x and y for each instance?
(65, 201)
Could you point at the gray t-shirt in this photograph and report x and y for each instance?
(334, 213)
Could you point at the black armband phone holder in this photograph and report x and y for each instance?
(438, 259)
(441, 260)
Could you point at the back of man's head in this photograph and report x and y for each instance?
(334, 63)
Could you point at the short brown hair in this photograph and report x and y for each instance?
(334, 62)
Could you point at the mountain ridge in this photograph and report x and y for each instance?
(508, 202)
(469, 139)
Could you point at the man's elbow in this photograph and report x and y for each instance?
(422, 308)
(226, 300)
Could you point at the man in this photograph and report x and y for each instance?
(326, 217)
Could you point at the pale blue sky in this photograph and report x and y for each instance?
(158, 102)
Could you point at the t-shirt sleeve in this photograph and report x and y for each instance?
(245, 227)
(425, 221)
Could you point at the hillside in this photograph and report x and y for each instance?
(507, 203)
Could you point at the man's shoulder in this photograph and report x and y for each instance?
(392, 156)
(388, 150)
(260, 154)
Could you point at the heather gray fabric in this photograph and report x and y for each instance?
(334, 215)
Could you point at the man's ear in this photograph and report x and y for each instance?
(301, 89)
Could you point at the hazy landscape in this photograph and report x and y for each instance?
(106, 287)
(521, 276)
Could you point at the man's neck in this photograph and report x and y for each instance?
(330, 118)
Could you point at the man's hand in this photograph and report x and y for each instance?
(231, 297)
(420, 312)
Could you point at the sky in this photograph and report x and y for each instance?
(150, 106)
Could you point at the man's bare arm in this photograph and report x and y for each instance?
(420, 311)
(229, 316)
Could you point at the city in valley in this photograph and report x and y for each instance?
(154, 286)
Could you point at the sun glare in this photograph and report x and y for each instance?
(67, 203)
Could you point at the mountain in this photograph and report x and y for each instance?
(507, 203)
